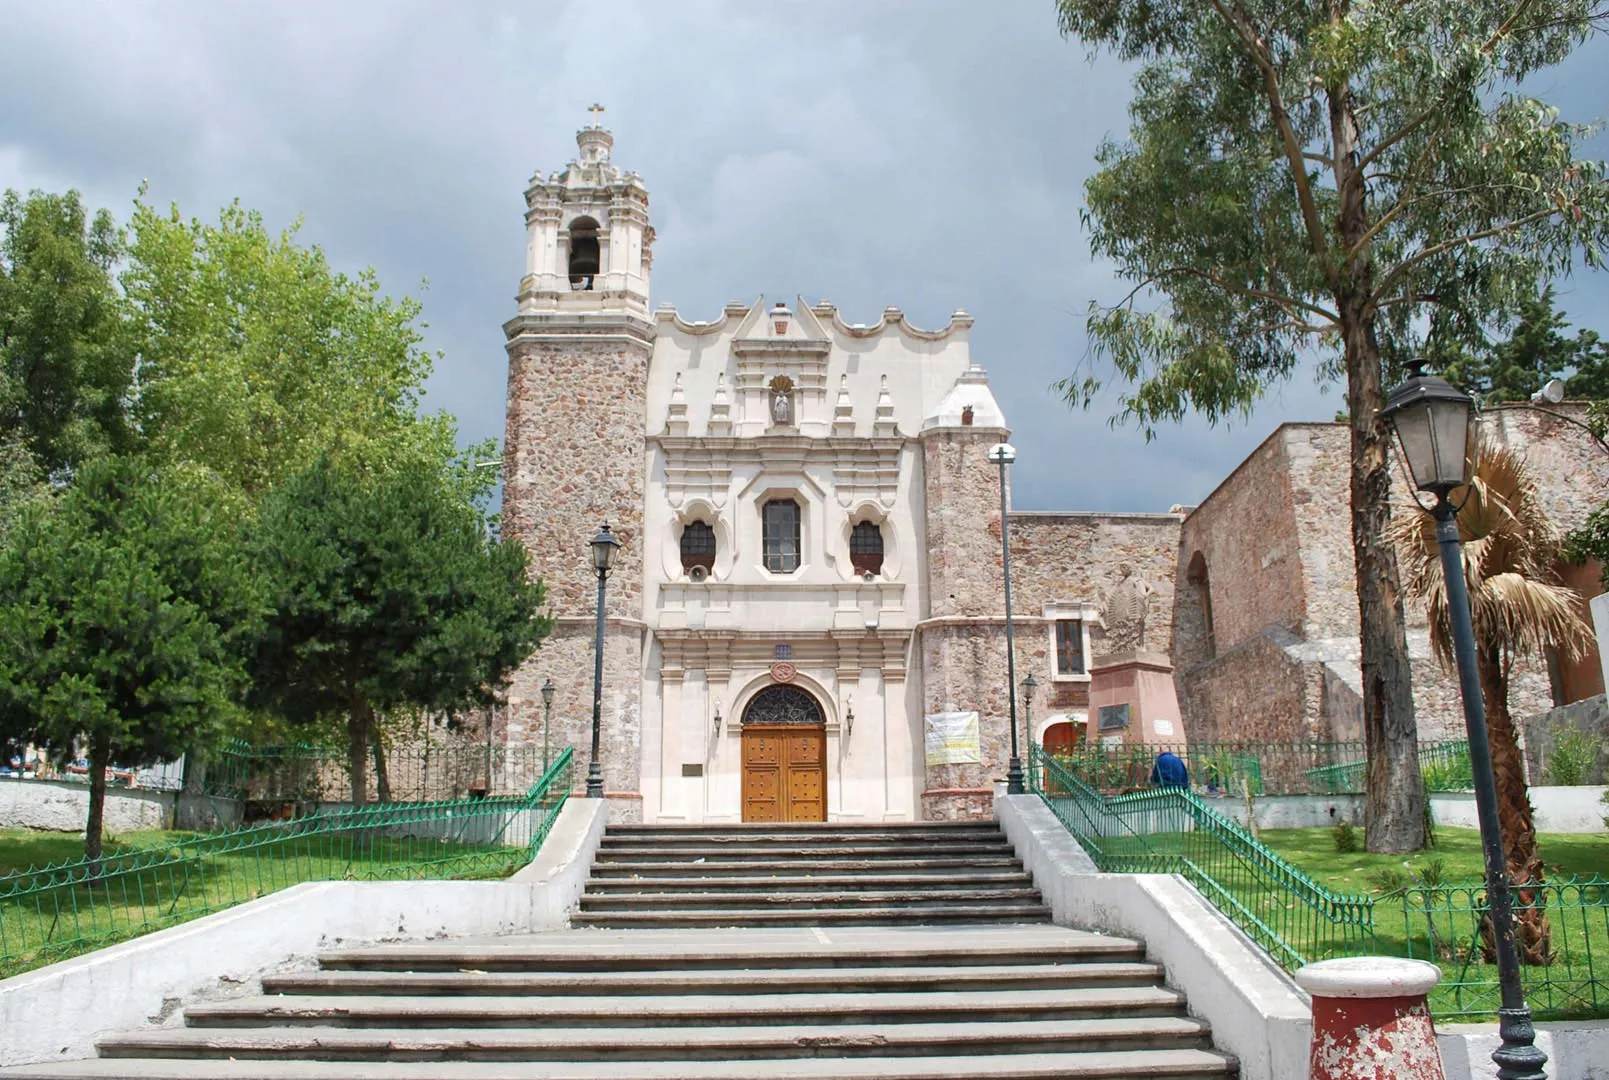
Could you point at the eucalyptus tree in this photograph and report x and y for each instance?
(1318, 183)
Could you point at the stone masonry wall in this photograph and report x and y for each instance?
(574, 460)
(1246, 533)
(963, 522)
(963, 661)
(1076, 557)
(566, 658)
(964, 667)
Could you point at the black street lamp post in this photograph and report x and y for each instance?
(1029, 685)
(547, 711)
(1003, 454)
(1435, 426)
(604, 548)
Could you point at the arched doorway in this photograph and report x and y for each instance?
(1062, 739)
(784, 757)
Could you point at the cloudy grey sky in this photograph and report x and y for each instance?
(923, 153)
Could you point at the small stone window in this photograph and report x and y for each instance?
(698, 546)
(780, 519)
(1069, 646)
(585, 254)
(866, 548)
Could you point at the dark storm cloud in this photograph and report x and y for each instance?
(928, 154)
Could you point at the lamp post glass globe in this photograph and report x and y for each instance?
(1002, 454)
(1433, 422)
(1435, 428)
(547, 711)
(1029, 685)
(604, 547)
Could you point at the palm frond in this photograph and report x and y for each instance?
(1510, 549)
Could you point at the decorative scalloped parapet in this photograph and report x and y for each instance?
(825, 316)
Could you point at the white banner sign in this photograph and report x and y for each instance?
(952, 738)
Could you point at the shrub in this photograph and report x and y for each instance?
(1346, 837)
(1572, 758)
(1389, 880)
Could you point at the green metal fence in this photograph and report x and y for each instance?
(53, 912)
(1297, 920)
(1233, 768)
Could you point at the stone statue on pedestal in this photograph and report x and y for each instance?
(1123, 611)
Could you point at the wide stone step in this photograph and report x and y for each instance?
(1189, 1064)
(952, 852)
(682, 881)
(736, 918)
(924, 867)
(657, 1044)
(688, 1010)
(795, 951)
(746, 981)
(802, 837)
(773, 899)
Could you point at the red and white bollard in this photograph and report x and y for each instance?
(1370, 1020)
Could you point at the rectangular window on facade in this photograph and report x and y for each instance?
(1069, 647)
(781, 528)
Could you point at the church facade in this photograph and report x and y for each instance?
(806, 619)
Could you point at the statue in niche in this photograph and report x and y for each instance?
(1123, 611)
(782, 401)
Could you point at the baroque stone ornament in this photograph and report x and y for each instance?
(1123, 611)
(783, 671)
(782, 401)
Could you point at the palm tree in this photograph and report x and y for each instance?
(1519, 608)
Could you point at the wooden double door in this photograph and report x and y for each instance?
(784, 756)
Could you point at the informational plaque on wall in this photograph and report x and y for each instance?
(952, 738)
(1114, 716)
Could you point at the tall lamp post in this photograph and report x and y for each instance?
(1003, 454)
(1435, 428)
(1029, 685)
(547, 712)
(604, 548)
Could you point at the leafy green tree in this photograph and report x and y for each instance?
(256, 356)
(388, 592)
(1538, 348)
(127, 609)
(65, 361)
(20, 483)
(1319, 182)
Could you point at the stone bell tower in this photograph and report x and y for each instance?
(573, 453)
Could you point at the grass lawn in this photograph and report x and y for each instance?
(1564, 854)
(1441, 919)
(152, 880)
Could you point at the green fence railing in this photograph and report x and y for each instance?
(1297, 920)
(52, 912)
(1234, 768)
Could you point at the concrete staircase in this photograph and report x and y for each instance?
(808, 875)
(723, 986)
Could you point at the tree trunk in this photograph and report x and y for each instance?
(100, 756)
(382, 778)
(1532, 937)
(1394, 804)
(357, 731)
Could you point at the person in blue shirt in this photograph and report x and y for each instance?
(1169, 771)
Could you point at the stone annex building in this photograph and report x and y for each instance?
(806, 619)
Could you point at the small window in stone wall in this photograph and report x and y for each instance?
(1069, 646)
(698, 546)
(866, 548)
